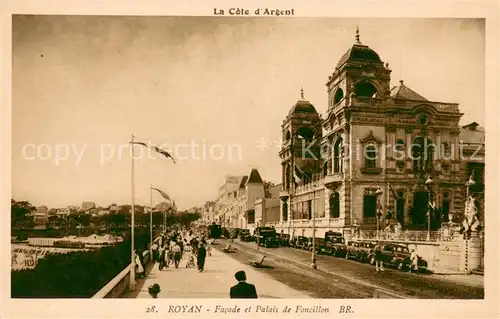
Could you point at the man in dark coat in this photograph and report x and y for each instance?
(242, 289)
(201, 255)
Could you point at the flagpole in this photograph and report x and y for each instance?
(151, 218)
(132, 227)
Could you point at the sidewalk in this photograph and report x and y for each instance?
(470, 280)
(213, 282)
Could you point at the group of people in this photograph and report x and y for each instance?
(172, 248)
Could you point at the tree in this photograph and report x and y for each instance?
(21, 213)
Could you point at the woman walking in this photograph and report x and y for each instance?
(201, 256)
(139, 269)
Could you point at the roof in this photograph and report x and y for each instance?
(303, 107)
(472, 134)
(359, 52)
(243, 181)
(402, 92)
(254, 177)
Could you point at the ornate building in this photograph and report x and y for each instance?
(380, 155)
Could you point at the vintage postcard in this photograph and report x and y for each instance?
(328, 160)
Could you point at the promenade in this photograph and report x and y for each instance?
(214, 282)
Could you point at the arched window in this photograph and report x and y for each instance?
(305, 133)
(287, 136)
(335, 205)
(422, 152)
(339, 95)
(370, 156)
(288, 177)
(400, 150)
(337, 156)
(365, 89)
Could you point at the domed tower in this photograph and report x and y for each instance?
(300, 152)
(358, 91)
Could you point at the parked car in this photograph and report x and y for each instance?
(352, 249)
(397, 255)
(284, 240)
(335, 244)
(360, 250)
(300, 242)
(267, 236)
(319, 242)
(245, 235)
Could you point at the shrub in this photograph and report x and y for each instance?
(74, 275)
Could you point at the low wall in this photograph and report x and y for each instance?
(119, 285)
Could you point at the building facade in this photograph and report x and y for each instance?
(379, 156)
(235, 206)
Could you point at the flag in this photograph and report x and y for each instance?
(157, 149)
(299, 173)
(162, 193)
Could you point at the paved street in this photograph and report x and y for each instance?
(213, 282)
(340, 278)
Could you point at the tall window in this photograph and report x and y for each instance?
(335, 205)
(285, 211)
(400, 150)
(337, 156)
(422, 154)
(370, 206)
(309, 209)
(370, 157)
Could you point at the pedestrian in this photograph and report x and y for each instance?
(209, 249)
(154, 290)
(242, 290)
(154, 249)
(161, 257)
(181, 245)
(188, 255)
(413, 261)
(176, 250)
(379, 266)
(201, 256)
(139, 269)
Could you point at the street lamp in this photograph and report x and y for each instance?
(429, 183)
(313, 254)
(378, 192)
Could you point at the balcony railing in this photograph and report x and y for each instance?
(333, 178)
(433, 236)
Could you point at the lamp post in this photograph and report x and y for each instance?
(313, 253)
(429, 183)
(378, 192)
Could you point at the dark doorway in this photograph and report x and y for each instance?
(420, 206)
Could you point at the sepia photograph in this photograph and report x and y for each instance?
(227, 157)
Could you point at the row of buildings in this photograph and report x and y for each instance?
(380, 154)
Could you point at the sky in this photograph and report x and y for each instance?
(213, 90)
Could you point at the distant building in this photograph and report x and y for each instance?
(41, 216)
(88, 207)
(235, 205)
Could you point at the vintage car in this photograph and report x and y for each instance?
(335, 244)
(352, 249)
(397, 255)
(320, 242)
(360, 250)
(267, 237)
(284, 240)
(244, 235)
(300, 242)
